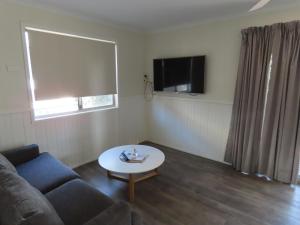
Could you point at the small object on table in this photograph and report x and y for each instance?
(127, 156)
(124, 157)
(134, 151)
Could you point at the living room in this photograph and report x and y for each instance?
(204, 172)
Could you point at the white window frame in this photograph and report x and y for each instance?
(29, 77)
(77, 112)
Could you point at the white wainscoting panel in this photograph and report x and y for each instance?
(189, 124)
(80, 138)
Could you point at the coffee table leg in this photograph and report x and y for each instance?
(131, 180)
(131, 188)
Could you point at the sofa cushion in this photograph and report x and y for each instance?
(76, 202)
(22, 204)
(45, 172)
(7, 164)
(118, 214)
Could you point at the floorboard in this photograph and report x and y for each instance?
(195, 191)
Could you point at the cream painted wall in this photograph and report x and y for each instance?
(200, 125)
(75, 139)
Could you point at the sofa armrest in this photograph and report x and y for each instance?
(118, 214)
(23, 154)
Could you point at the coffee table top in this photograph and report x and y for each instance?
(110, 159)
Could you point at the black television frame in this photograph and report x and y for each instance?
(158, 72)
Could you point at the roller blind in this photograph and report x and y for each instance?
(66, 66)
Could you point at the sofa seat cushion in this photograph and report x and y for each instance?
(118, 214)
(45, 172)
(22, 204)
(76, 202)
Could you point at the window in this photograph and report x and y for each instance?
(55, 107)
(63, 65)
(66, 106)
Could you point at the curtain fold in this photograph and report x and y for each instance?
(264, 135)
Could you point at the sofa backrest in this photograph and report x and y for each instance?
(22, 204)
(22, 154)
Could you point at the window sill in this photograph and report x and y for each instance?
(75, 113)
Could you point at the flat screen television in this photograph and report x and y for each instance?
(185, 74)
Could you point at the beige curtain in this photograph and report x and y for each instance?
(279, 147)
(263, 136)
(246, 124)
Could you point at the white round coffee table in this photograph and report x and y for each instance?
(110, 160)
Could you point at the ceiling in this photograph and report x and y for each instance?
(151, 15)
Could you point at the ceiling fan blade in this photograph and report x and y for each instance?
(259, 5)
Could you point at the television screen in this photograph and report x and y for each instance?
(185, 74)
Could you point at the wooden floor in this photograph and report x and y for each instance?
(196, 191)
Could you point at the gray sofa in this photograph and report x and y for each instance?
(37, 189)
